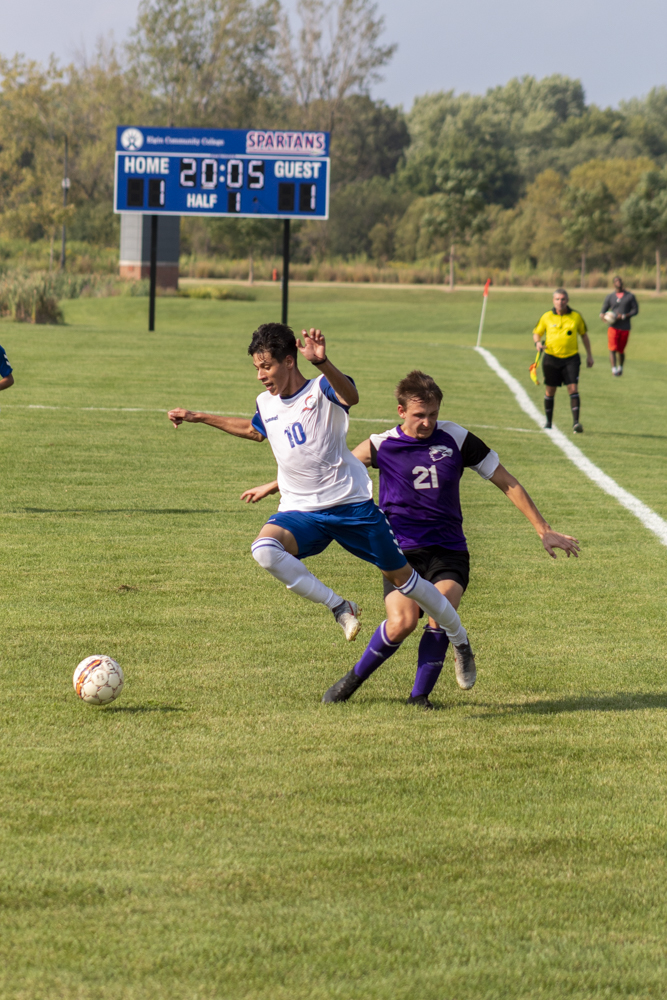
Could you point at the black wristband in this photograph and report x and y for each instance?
(318, 364)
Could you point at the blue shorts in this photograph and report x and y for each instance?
(361, 528)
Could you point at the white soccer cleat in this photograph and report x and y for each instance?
(464, 666)
(347, 615)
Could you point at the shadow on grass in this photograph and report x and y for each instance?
(370, 701)
(624, 701)
(114, 510)
(140, 709)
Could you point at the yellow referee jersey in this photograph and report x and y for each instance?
(561, 332)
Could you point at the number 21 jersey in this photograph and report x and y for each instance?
(419, 482)
(307, 433)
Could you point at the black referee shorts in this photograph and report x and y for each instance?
(560, 371)
(435, 563)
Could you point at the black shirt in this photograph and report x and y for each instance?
(626, 306)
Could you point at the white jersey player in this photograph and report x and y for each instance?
(326, 494)
(307, 432)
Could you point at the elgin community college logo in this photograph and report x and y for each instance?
(131, 138)
(438, 451)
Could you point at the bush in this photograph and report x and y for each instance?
(30, 298)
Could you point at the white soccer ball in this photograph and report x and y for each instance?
(98, 680)
(610, 317)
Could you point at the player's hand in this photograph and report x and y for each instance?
(590, 362)
(178, 415)
(554, 540)
(258, 492)
(314, 346)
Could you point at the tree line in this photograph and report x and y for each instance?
(527, 175)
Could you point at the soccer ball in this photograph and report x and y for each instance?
(610, 317)
(98, 680)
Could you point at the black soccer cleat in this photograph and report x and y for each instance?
(577, 428)
(343, 689)
(547, 426)
(421, 700)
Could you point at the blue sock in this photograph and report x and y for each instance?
(377, 651)
(431, 656)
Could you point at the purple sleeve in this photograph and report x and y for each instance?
(258, 423)
(329, 392)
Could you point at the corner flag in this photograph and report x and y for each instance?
(481, 321)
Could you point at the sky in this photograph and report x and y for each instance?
(617, 51)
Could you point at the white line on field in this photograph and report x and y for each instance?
(388, 421)
(648, 517)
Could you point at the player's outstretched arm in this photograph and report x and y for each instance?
(314, 349)
(238, 426)
(257, 493)
(551, 540)
(6, 382)
(363, 452)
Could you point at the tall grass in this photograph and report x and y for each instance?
(42, 255)
(428, 272)
(33, 297)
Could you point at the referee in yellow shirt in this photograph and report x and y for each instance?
(560, 328)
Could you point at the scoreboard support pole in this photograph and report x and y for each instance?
(285, 270)
(153, 275)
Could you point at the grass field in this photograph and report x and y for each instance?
(219, 833)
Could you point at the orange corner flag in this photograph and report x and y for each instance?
(486, 287)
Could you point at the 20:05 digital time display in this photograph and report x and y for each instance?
(214, 184)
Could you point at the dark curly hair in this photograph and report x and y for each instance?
(275, 339)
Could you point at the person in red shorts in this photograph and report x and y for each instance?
(617, 309)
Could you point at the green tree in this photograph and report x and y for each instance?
(337, 51)
(587, 220)
(356, 210)
(368, 140)
(646, 121)
(455, 214)
(206, 62)
(39, 108)
(33, 124)
(452, 136)
(537, 233)
(645, 215)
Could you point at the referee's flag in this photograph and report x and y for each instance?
(533, 368)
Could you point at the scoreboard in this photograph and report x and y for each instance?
(247, 173)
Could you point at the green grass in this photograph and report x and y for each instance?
(217, 832)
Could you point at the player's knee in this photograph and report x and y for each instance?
(400, 626)
(267, 552)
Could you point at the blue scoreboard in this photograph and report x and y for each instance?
(247, 173)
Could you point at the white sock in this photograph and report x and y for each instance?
(272, 556)
(436, 606)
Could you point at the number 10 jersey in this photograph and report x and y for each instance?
(419, 482)
(307, 433)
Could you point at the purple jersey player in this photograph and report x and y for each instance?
(421, 464)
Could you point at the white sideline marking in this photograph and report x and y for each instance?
(648, 517)
(387, 421)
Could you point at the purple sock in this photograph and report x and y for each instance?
(432, 649)
(377, 651)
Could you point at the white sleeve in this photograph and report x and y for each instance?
(487, 466)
